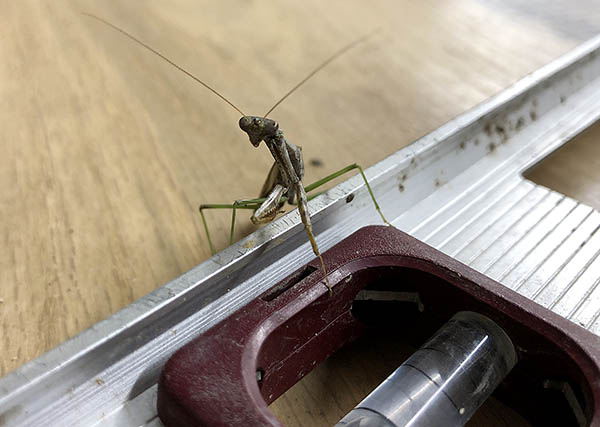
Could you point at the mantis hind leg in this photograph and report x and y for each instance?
(341, 172)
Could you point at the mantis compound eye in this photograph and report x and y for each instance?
(244, 122)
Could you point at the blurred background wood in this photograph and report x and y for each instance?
(107, 150)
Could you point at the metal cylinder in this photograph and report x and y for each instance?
(445, 381)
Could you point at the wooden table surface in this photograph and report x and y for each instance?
(108, 150)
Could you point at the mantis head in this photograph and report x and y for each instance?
(258, 128)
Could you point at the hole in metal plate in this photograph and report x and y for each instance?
(573, 169)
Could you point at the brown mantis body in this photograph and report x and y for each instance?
(284, 181)
(285, 177)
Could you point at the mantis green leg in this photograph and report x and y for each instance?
(238, 204)
(341, 172)
(253, 204)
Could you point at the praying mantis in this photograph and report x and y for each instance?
(284, 180)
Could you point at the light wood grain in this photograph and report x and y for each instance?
(107, 150)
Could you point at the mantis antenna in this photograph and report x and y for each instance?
(320, 67)
(154, 51)
(183, 70)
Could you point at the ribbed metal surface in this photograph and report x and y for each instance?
(540, 243)
(536, 241)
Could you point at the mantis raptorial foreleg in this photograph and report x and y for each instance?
(254, 204)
